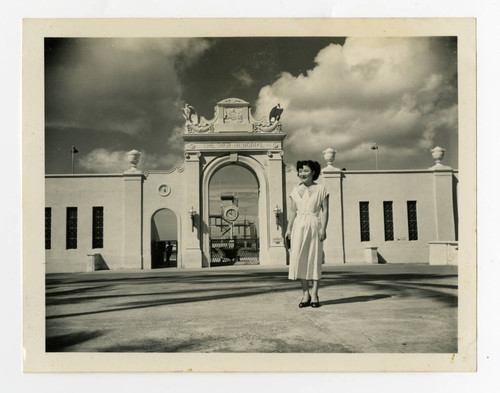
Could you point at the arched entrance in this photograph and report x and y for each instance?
(233, 224)
(256, 168)
(164, 241)
(233, 137)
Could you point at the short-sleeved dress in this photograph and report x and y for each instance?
(306, 250)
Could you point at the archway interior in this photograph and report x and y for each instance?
(164, 243)
(234, 240)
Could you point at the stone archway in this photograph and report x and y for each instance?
(233, 136)
(263, 204)
(233, 224)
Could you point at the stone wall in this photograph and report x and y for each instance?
(436, 217)
(84, 192)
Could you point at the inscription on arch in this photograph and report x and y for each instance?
(235, 145)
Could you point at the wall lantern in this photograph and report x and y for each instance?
(192, 213)
(277, 212)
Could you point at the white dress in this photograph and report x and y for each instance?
(306, 250)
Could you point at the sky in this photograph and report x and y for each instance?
(107, 96)
(246, 191)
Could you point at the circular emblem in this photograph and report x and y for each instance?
(231, 213)
(275, 145)
(164, 190)
(192, 146)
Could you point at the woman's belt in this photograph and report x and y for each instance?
(307, 214)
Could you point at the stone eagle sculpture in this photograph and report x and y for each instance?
(188, 112)
(275, 113)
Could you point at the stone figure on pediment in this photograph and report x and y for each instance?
(275, 114)
(189, 113)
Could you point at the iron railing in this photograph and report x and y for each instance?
(234, 251)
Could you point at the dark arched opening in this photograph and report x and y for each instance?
(164, 244)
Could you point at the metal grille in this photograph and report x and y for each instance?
(48, 225)
(364, 217)
(234, 251)
(412, 220)
(97, 227)
(71, 227)
(388, 222)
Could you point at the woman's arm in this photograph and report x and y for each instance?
(291, 217)
(324, 219)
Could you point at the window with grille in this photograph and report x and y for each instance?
(364, 217)
(412, 220)
(71, 227)
(97, 227)
(48, 224)
(388, 222)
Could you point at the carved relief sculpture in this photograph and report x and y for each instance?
(233, 115)
(197, 124)
(237, 112)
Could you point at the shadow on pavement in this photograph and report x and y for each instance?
(61, 342)
(201, 287)
(354, 299)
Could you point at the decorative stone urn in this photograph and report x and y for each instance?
(329, 155)
(133, 158)
(438, 154)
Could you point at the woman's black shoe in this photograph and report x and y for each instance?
(315, 304)
(305, 304)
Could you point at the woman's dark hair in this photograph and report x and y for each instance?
(314, 165)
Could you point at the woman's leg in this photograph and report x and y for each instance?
(305, 290)
(315, 288)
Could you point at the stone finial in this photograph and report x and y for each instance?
(329, 155)
(438, 154)
(133, 158)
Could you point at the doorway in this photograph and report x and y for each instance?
(164, 242)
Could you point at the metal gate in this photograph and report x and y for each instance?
(226, 251)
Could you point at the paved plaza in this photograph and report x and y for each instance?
(391, 308)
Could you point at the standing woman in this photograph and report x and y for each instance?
(307, 230)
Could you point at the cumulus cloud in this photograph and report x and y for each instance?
(123, 85)
(398, 92)
(175, 141)
(102, 160)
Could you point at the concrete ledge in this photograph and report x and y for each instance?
(443, 253)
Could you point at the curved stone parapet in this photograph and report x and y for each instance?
(273, 127)
(204, 126)
(178, 166)
(234, 101)
(199, 129)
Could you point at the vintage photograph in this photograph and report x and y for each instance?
(273, 195)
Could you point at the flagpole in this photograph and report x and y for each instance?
(73, 151)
